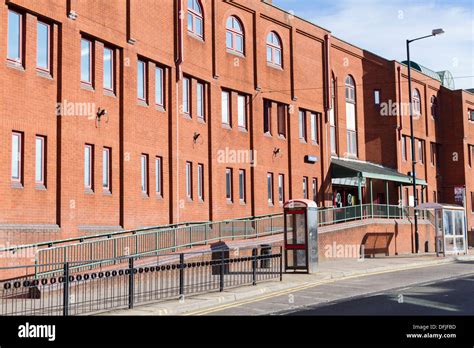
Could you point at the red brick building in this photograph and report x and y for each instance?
(140, 113)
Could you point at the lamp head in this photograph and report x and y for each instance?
(437, 32)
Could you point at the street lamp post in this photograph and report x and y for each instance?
(412, 135)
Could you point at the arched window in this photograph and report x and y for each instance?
(416, 102)
(350, 89)
(351, 120)
(195, 19)
(434, 106)
(234, 36)
(274, 50)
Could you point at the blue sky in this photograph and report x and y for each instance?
(382, 26)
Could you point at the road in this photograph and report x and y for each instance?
(439, 290)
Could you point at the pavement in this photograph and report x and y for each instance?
(244, 300)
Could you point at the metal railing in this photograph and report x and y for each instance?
(146, 242)
(137, 281)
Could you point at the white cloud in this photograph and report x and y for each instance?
(383, 26)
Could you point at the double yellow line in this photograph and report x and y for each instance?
(298, 288)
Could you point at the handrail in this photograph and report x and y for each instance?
(122, 232)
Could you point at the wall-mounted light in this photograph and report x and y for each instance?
(100, 114)
(196, 137)
(276, 151)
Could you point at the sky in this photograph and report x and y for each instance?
(382, 27)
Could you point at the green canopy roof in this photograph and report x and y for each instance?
(344, 168)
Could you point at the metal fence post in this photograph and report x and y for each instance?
(131, 287)
(254, 266)
(174, 239)
(181, 274)
(221, 269)
(281, 263)
(190, 237)
(66, 290)
(205, 233)
(271, 225)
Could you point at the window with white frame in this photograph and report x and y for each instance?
(302, 125)
(195, 18)
(108, 69)
(159, 86)
(274, 50)
(189, 180)
(270, 188)
(200, 182)
(228, 185)
(86, 61)
(314, 128)
(17, 157)
(242, 111)
(40, 164)
(15, 33)
(106, 153)
(351, 116)
(416, 102)
(234, 38)
(305, 187)
(200, 101)
(42, 46)
(141, 80)
(332, 118)
(225, 107)
(281, 188)
(186, 96)
(89, 166)
(242, 185)
(144, 173)
(159, 176)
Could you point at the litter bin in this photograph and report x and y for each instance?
(220, 252)
(265, 250)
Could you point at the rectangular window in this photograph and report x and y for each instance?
(144, 173)
(86, 61)
(200, 181)
(242, 185)
(472, 202)
(141, 80)
(186, 96)
(470, 154)
(40, 160)
(228, 184)
(315, 189)
(471, 115)
(314, 128)
(242, 111)
(159, 81)
(159, 176)
(305, 187)
(108, 69)
(281, 189)
(433, 154)
(404, 148)
(420, 151)
(270, 188)
(226, 108)
(267, 115)
(88, 166)
(106, 169)
(282, 120)
(15, 36)
(302, 125)
(189, 180)
(17, 156)
(351, 129)
(377, 97)
(200, 101)
(42, 46)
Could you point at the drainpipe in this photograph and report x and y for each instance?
(327, 105)
(179, 75)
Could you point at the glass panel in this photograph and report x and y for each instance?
(39, 160)
(105, 168)
(459, 223)
(448, 223)
(14, 40)
(239, 43)
(108, 68)
(269, 54)
(87, 166)
(199, 29)
(42, 59)
(228, 40)
(85, 61)
(141, 80)
(16, 156)
(159, 86)
(277, 57)
(300, 232)
(190, 22)
(241, 112)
